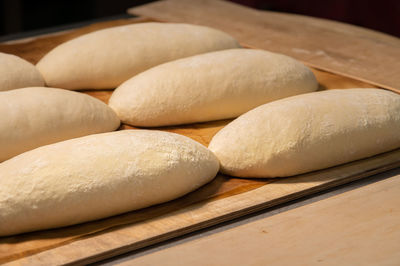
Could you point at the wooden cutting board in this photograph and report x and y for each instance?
(358, 227)
(223, 199)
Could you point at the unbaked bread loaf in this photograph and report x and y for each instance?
(97, 176)
(212, 86)
(16, 73)
(309, 132)
(104, 59)
(36, 116)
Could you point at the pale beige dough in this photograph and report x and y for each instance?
(309, 132)
(16, 73)
(36, 116)
(97, 176)
(210, 86)
(106, 58)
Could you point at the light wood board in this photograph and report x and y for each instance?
(340, 48)
(359, 227)
(223, 199)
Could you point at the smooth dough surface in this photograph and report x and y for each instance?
(212, 86)
(36, 116)
(309, 132)
(97, 176)
(106, 58)
(17, 73)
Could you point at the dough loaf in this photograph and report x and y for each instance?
(17, 73)
(309, 132)
(212, 86)
(106, 58)
(97, 176)
(36, 116)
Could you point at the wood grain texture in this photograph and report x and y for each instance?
(339, 48)
(359, 227)
(223, 199)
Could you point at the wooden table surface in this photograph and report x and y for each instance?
(360, 226)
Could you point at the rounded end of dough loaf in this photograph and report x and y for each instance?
(37, 116)
(18, 73)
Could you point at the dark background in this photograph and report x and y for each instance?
(27, 15)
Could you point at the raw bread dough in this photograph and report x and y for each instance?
(210, 86)
(16, 73)
(309, 132)
(97, 176)
(106, 58)
(32, 117)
